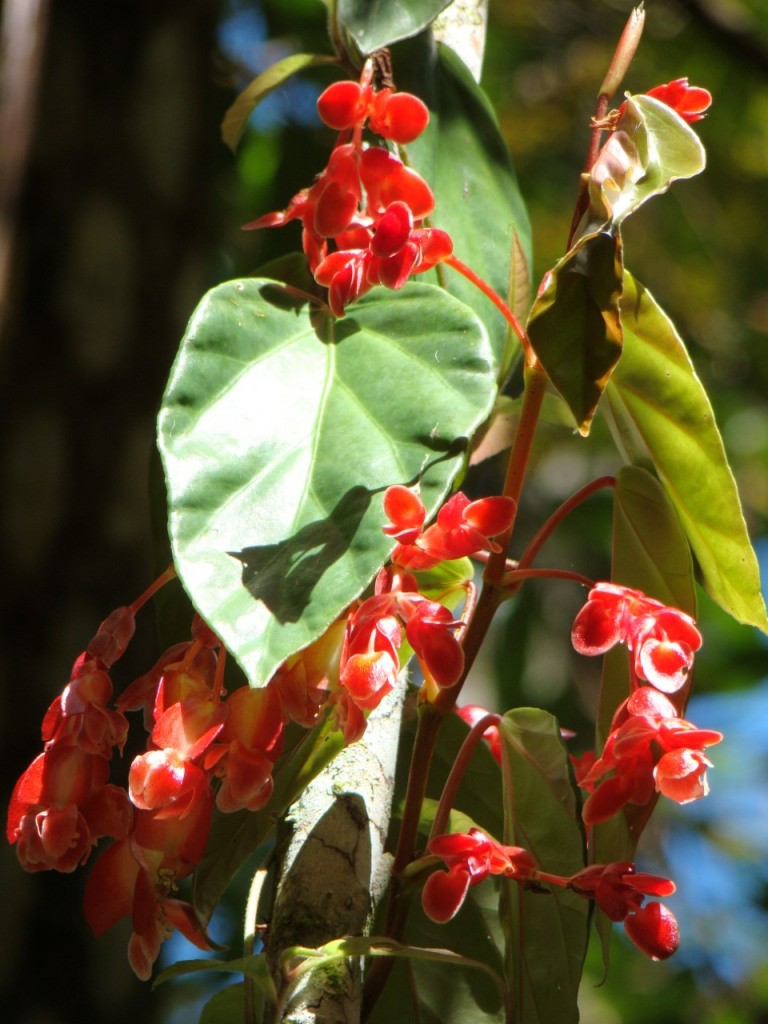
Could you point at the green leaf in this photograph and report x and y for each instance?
(464, 158)
(660, 413)
(225, 1007)
(651, 147)
(547, 932)
(254, 967)
(377, 23)
(574, 325)
(445, 581)
(280, 430)
(650, 551)
(236, 117)
(421, 990)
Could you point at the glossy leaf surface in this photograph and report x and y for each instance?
(280, 430)
(376, 23)
(661, 414)
(464, 158)
(547, 931)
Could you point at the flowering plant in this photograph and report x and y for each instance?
(316, 435)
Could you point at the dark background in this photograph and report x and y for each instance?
(125, 207)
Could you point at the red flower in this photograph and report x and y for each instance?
(463, 527)
(470, 857)
(617, 888)
(689, 101)
(619, 891)
(649, 747)
(681, 775)
(654, 931)
(663, 639)
(400, 116)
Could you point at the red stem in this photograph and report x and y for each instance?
(152, 589)
(515, 576)
(559, 515)
(460, 765)
(499, 303)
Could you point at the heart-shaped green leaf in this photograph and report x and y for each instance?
(373, 23)
(280, 430)
(547, 932)
(574, 325)
(236, 117)
(660, 413)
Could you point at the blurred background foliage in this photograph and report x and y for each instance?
(128, 208)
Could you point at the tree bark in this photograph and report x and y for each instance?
(334, 869)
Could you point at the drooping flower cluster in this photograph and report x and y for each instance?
(370, 661)
(469, 857)
(201, 749)
(366, 202)
(616, 888)
(650, 747)
(63, 804)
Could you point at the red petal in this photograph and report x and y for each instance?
(392, 231)
(490, 515)
(597, 628)
(654, 931)
(443, 894)
(340, 105)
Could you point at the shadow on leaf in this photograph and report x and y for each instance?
(283, 575)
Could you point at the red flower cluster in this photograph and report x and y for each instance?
(616, 888)
(370, 661)
(198, 741)
(649, 748)
(366, 200)
(463, 527)
(619, 891)
(663, 640)
(63, 804)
